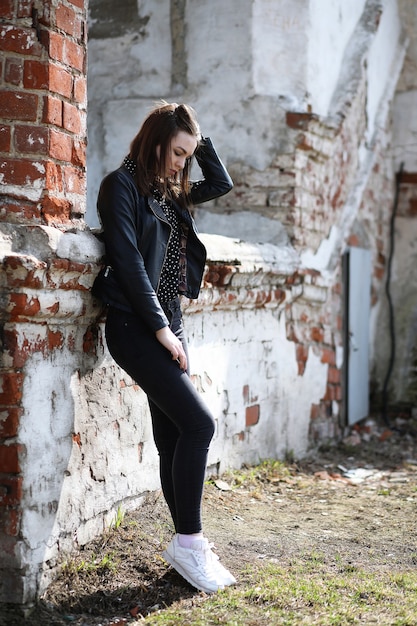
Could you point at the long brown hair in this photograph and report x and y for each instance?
(159, 129)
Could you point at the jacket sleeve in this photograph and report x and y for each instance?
(216, 181)
(117, 205)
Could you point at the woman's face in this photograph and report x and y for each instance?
(182, 147)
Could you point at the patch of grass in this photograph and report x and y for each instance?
(306, 592)
(118, 518)
(269, 470)
(95, 563)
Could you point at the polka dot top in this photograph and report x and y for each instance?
(169, 281)
(173, 273)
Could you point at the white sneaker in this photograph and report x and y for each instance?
(198, 565)
(225, 576)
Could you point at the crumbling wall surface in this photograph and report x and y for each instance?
(48, 263)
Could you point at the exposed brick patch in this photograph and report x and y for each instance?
(219, 275)
(246, 394)
(299, 121)
(252, 415)
(9, 421)
(10, 490)
(10, 458)
(23, 305)
(10, 388)
(56, 210)
(328, 355)
(301, 356)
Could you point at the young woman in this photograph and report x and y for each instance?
(153, 257)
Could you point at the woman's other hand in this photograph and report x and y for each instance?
(167, 338)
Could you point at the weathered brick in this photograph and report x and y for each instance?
(9, 422)
(317, 334)
(10, 388)
(18, 210)
(80, 89)
(53, 177)
(24, 8)
(31, 139)
(7, 9)
(56, 210)
(314, 411)
(55, 44)
(10, 490)
(246, 394)
(252, 415)
(328, 356)
(22, 271)
(333, 393)
(79, 154)
(36, 75)
(19, 40)
(72, 118)
(13, 71)
(23, 305)
(10, 458)
(301, 352)
(78, 3)
(68, 21)
(21, 171)
(55, 339)
(60, 145)
(74, 55)
(52, 111)
(60, 80)
(15, 105)
(5, 138)
(299, 121)
(334, 375)
(74, 179)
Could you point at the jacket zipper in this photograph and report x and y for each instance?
(166, 247)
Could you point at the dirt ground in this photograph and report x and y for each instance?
(357, 500)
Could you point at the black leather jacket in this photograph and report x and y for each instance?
(136, 233)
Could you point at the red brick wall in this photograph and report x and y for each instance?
(42, 174)
(43, 111)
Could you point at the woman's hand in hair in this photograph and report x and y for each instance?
(167, 338)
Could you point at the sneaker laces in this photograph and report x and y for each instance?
(204, 555)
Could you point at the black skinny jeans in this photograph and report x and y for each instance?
(182, 425)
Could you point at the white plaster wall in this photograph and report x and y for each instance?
(331, 25)
(46, 434)
(383, 57)
(280, 50)
(256, 354)
(122, 71)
